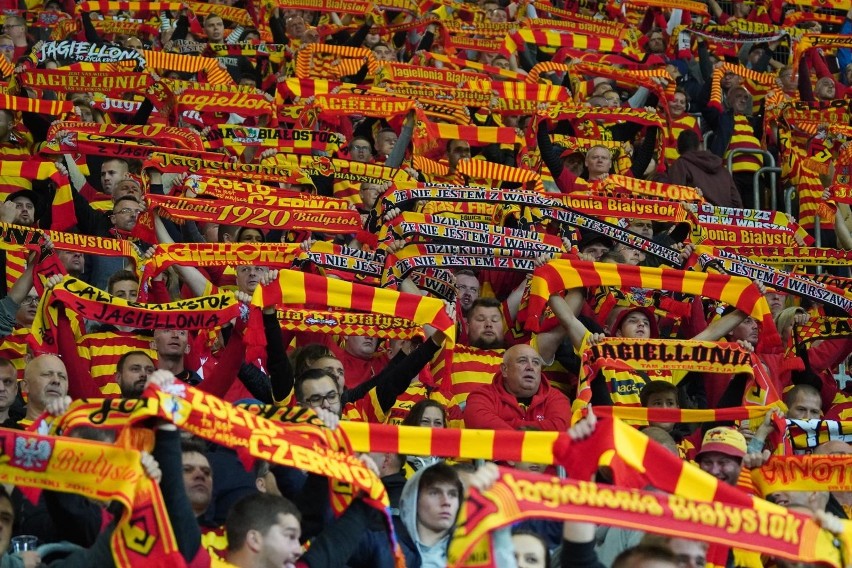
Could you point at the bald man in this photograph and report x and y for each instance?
(45, 378)
(519, 397)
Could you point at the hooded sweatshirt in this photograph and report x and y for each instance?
(418, 555)
(708, 172)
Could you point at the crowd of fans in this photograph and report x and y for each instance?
(697, 96)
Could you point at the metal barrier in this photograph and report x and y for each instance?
(707, 137)
(768, 158)
(788, 200)
(773, 197)
(818, 239)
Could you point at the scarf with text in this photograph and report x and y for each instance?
(806, 435)
(166, 135)
(179, 209)
(100, 145)
(291, 140)
(16, 237)
(88, 52)
(253, 193)
(779, 256)
(625, 184)
(822, 327)
(561, 275)
(344, 262)
(768, 529)
(113, 83)
(172, 163)
(730, 263)
(803, 473)
(103, 472)
(347, 323)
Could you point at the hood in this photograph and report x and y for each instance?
(704, 160)
(430, 555)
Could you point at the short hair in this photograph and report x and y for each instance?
(310, 375)
(441, 472)
(465, 272)
(193, 445)
(258, 511)
(805, 389)
(212, 15)
(486, 302)
(538, 537)
(230, 230)
(687, 141)
(416, 412)
(6, 362)
(654, 387)
(125, 198)
(663, 540)
(123, 359)
(305, 356)
(644, 552)
(120, 276)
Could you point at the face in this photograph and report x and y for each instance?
(635, 325)
(7, 519)
(776, 302)
(825, 89)
(437, 506)
(468, 290)
(125, 214)
(215, 29)
(126, 290)
(112, 171)
(690, 553)
(755, 55)
(612, 99)
(806, 406)
(740, 101)
(322, 393)
(598, 161)
(6, 123)
(432, 418)
(8, 386)
(678, 105)
(25, 211)
(72, 261)
(597, 250)
(360, 151)
(133, 375)
(45, 378)
(29, 307)
(210, 232)
(656, 43)
(721, 466)
(385, 142)
(248, 277)
(747, 330)
(295, 26)
(16, 29)
(485, 328)
(631, 256)
(171, 342)
(361, 346)
(133, 43)
(666, 399)
(198, 480)
(729, 80)
(333, 367)
(521, 370)
(642, 227)
(370, 193)
(459, 150)
(383, 53)
(7, 48)
(498, 16)
(250, 236)
(281, 546)
(127, 187)
(529, 551)
(788, 80)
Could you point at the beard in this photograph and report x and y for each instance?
(482, 343)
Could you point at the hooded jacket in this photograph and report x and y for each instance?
(707, 171)
(418, 555)
(492, 407)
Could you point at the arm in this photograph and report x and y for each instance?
(87, 515)
(80, 382)
(222, 376)
(644, 153)
(339, 541)
(190, 275)
(396, 156)
(281, 373)
(565, 310)
(844, 238)
(722, 326)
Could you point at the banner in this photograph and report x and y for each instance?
(804, 473)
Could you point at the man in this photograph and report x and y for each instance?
(803, 403)
(16, 28)
(485, 324)
(316, 388)
(705, 170)
(171, 346)
(385, 141)
(721, 454)
(360, 149)
(132, 373)
(26, 206)
(197, 475)
(8, 395)
(112, 172)
(467, 285)
(125, 213)
(519, 397)
(45, 378)
(457, 150)
(214, 27)
(427, 512)
(263, 531)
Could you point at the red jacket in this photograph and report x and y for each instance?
(491, 407)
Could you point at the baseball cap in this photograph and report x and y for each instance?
(649, 312)
(725, 440)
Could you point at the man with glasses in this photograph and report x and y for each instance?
(316, 388)
(360, 150)
(7, 48)
(16, 28)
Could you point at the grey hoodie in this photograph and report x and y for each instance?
(436, 556)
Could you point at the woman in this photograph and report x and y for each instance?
(680, 121)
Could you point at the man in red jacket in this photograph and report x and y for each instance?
(519, 397)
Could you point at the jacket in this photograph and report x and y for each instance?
(707, 171)
(492, 407)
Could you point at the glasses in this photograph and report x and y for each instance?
(360, 148)
(7, 47)
(30, 301)
(127, 210)
(317, 399)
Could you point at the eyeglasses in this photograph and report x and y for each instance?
(127, 210)
(317, 399)
(7, 47)
(30, 301)
(360, 148)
